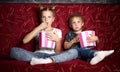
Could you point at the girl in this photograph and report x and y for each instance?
(74, 49)
(54, 34)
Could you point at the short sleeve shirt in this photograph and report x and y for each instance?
(69, 36)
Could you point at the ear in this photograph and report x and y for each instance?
(83, 24)
(53, 7)
(40, 6)
(70, 26)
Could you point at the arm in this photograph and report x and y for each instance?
(67, 45)
(97, 39)
(32, 34)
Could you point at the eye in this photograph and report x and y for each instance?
(73, 22)
(49, 16)
(78, 21)
(43, 16)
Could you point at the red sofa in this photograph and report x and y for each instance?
(18, 19)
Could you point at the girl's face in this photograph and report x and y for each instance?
(47, 17)
(76, 24)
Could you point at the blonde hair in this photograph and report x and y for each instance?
(52, 8)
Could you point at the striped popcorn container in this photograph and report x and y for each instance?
(44, 42)
(83, 39)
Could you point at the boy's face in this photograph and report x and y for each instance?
(47, 17)
(76, 23)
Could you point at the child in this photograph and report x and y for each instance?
(74, 49)
(47, 18)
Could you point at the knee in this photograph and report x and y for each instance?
(73, 51)
(14, 51)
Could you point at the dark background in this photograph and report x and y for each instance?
(61, 1)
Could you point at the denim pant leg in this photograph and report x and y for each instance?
(21, 54)
(65, 56)
(24, 55)
(43, 55)
(85, 53)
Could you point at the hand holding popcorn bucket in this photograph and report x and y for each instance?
(44, 42)
(83, 38)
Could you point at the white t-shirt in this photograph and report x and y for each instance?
(42, 50)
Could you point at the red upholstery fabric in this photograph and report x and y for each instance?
(18, 19)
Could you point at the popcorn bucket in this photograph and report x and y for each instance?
(83, 39)
(44, 42)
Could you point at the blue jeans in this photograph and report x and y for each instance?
(24, 55)
(82, 53)
(21, 54)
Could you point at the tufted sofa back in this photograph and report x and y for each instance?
(18, 19)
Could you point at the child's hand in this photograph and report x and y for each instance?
(92, 38)
(43, 25)
(75, 39)
(53, 36)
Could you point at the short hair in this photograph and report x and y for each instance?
(74, 15)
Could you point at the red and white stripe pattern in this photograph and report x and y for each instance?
(44, 42)
(83, 38)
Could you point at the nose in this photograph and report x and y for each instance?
(46, 19)
(75, 24)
